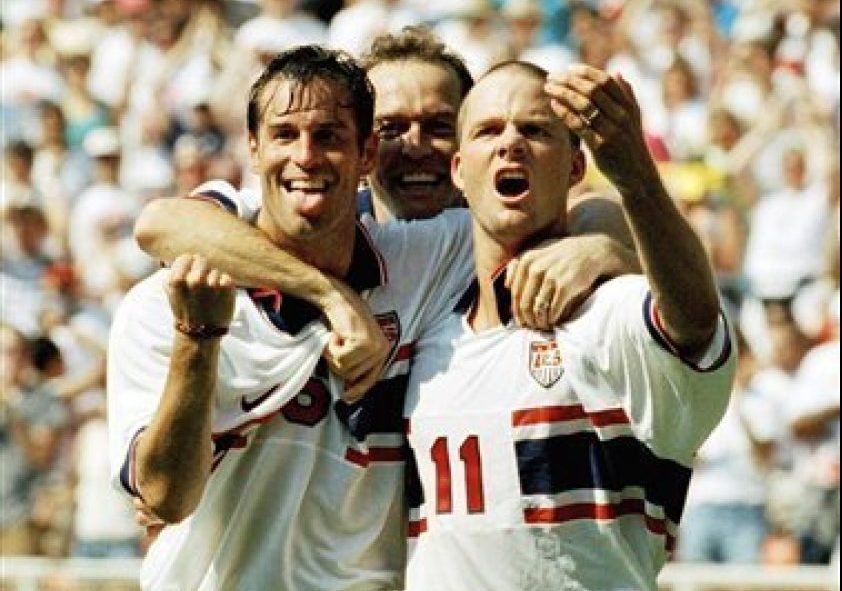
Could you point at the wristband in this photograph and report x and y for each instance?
(200, 331)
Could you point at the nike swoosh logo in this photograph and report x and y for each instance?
(250, 405)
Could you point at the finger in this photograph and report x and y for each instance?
(576, 123)
(511, 269)
(583, 94)
(601, 78)
(558, 307)
(179, 269)
(225, 280)
(356, 390)
(212, 279)
(197, 274)
(528, 301)
(544, 302)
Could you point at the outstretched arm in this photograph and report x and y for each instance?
(672, 256)
(357, 349)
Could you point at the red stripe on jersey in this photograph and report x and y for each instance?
(612, 416)
(416, 527)
(405, 352)
(575, 412)
(547, 414)
(598, 512)
(375, 454)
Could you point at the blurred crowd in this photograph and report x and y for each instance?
(107, 104)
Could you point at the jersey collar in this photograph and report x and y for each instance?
(291, 314)
(502, 295)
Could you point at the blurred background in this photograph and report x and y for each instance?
(107, 104)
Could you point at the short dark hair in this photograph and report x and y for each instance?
(306, 63)
(528, 68)
(418, 43)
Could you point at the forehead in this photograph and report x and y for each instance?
(507, 94)
(410, 85)
(320, 99)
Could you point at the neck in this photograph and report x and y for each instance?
(331, 253)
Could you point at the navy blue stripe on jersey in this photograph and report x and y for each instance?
(365, 202)
(653, 324)
(379, 411)
(367, 270)
(216, 197)
(127, 470)
(502, 296)
(579, 461)
(413, 491)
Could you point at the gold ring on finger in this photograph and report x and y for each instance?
(590, 116)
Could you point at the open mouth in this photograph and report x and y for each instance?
(511, 183)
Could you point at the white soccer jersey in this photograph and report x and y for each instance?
(555, 461)
(295, 501)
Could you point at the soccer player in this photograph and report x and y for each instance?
(561, 459)
(237, 439)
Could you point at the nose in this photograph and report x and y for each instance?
(415, 142)
(307, 154)
(511, 145)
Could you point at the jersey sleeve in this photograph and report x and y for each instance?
(245, 203)
(139, 349)
(672, 402)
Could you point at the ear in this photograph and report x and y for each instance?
(253, 159)
(369, 154)
(578, 165)
(456, 172)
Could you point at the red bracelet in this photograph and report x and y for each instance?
(200, 331)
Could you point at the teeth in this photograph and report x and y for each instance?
(419, 177)
(512, 175)
(307, 185)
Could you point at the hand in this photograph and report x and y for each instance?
(357, 350)
(604, 112)
(549, 282)
(198, 294)
(145, 518)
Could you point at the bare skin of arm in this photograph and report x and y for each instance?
(357, 349)
(173, 455)
(671, 254)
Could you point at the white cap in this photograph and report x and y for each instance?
(102, 142)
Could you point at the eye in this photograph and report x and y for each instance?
(439, 129)
(391, 129)
(327, 136)
(486, 130)
(283, 133)
(533, 130)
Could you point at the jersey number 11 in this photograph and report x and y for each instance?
(469, 453)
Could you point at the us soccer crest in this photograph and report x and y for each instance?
(390, 324)
(545, 362)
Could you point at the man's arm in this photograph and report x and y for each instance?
(564, 272)
(172, 457)
(671, 255)
(167, 228)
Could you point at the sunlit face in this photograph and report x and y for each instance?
(415, 117)
(306, 153)
(515, 163)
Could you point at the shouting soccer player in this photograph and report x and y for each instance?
(561, 459)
